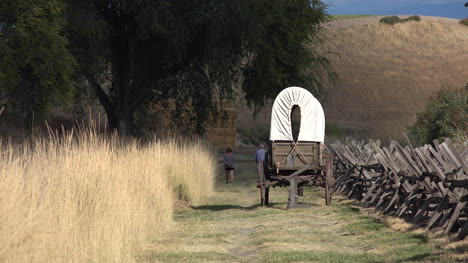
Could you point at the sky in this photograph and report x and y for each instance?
(444, 8)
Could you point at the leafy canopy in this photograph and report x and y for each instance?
(36, 69)
(446, 115)
(132, 53)
(196, 52)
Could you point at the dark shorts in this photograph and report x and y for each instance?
(228, 168)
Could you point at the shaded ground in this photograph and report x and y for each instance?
(232, 227)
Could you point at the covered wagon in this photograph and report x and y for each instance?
(296, 162)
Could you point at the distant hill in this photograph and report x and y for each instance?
(388, 73)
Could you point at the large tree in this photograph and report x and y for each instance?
(193, 51)
(36, 69)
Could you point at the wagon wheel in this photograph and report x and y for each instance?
(267, 196)
(327, 192)
(262, 189)
(329, 180)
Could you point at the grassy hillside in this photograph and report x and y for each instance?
(387, 74)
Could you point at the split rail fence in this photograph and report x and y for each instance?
(426, 185)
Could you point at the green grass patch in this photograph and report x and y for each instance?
(363, 225)
(415, 253)
(399, 238)
(347, 208)
(318, 256)
(372, 234)
(337, 17)
(182, 256)
(265, 212)
(189, 215)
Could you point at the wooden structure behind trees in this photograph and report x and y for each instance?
(222, 131)
(169, 119)
(426, 185)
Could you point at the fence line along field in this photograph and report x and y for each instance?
(87, 198)
(426, 185)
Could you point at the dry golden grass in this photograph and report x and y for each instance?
(92, 199)
(389, 72)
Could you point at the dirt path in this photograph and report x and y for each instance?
(232, 227)
(245, 248)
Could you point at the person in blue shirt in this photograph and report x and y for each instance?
(260, 159)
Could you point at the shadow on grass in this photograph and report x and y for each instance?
(272, 205)
(420, 257)
(283, 205)
(422, 239)
(225, 207)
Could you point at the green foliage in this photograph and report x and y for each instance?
(280, 56)
(464, 21)
(134, 53)
(36, 69)
(413, 18)
(365, 224)
(446, 115)
(256, 135)
(391, 20)
(334, 130)
(192, 52)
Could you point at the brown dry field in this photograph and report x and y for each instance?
(387, 73)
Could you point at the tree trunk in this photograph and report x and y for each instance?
(122, 68)
(121, 74)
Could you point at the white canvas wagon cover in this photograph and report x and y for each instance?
(312, 116)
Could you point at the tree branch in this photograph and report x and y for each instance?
(104, 100)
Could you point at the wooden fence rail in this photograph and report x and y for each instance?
(427, 185)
